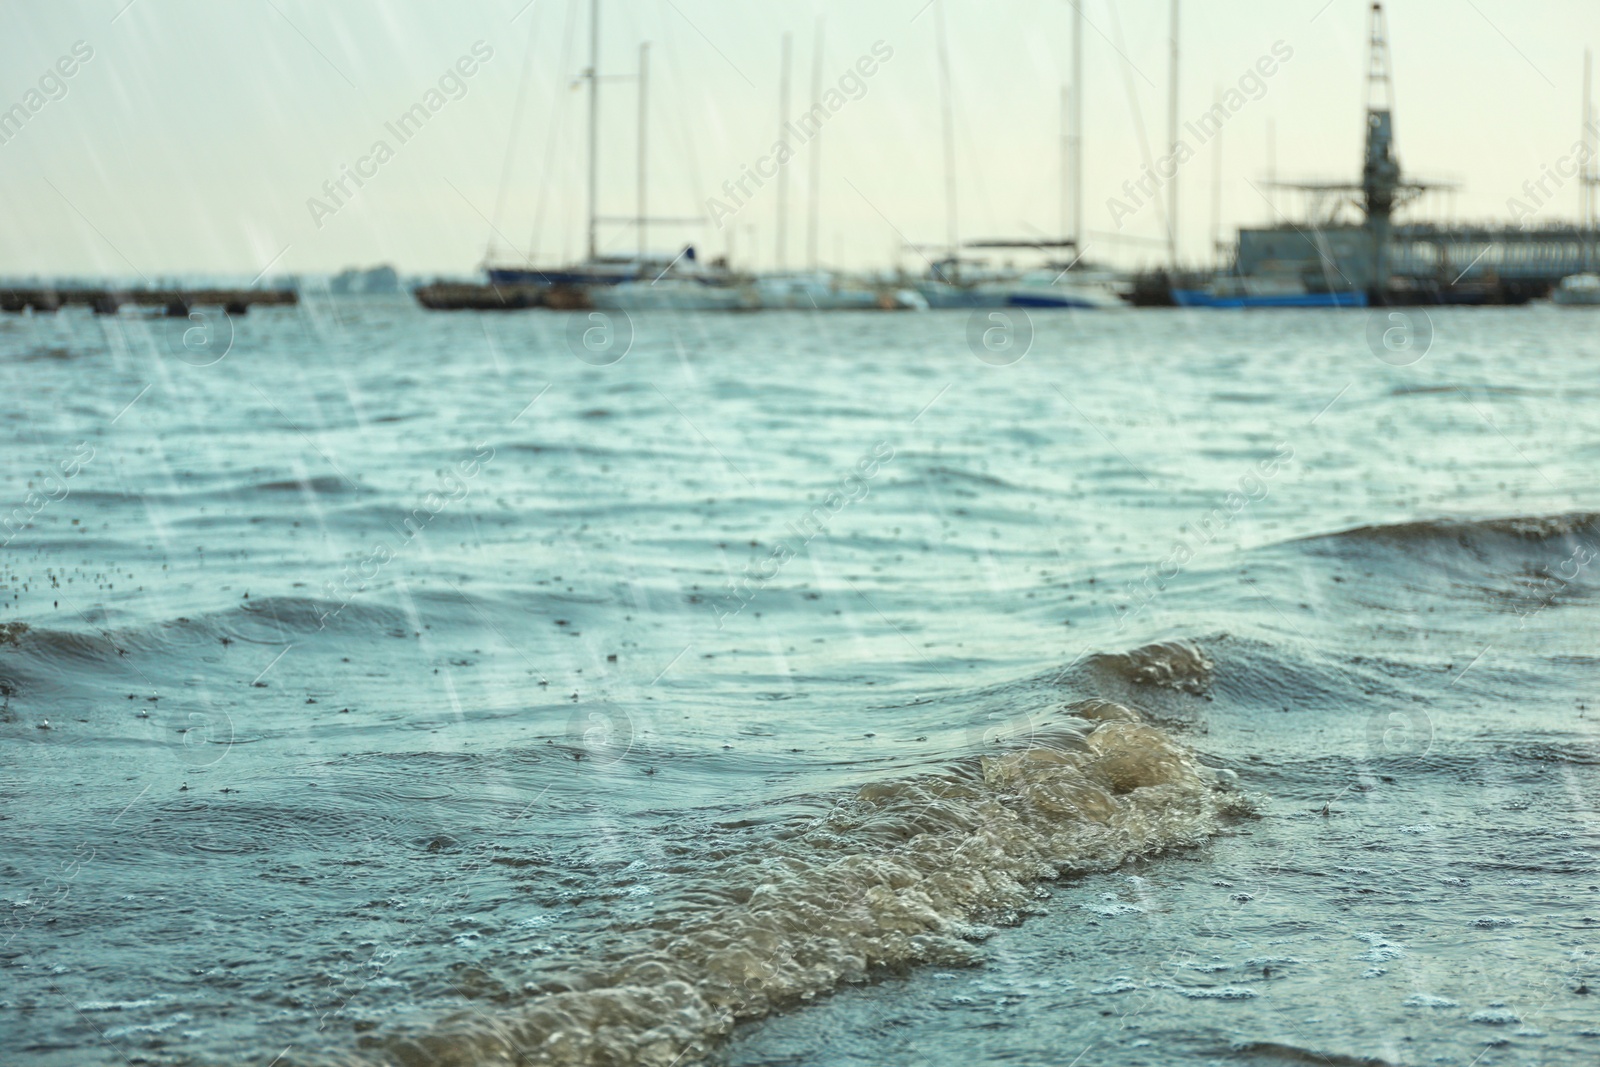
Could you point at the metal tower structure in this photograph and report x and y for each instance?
(1421, 262)
(1382, 191)
(1380, 171)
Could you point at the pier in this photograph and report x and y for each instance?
(466, 296)
(176, 302)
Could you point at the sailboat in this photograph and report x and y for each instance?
(681, 285)
(639, 281)
(953, 283)
(594, 270)
(815, 289)
(685, 281)
(1052, 288)
(958, 282)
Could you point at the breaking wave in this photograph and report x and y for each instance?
(902, 872)
(1534, 528)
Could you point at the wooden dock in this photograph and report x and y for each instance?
(462, 296)
(176, 302)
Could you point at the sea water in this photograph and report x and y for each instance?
(383, 686)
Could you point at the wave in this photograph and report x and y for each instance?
(1281, 1052)
(978, 480)
(1520, 565)
(37, 655)
(321, 485)
(901, 872)
(1176, 665)
(1530, 528)
(198, 490)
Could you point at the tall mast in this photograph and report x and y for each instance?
(1216, 188)
(1172, 143)
(511, 145)
(1075, 133)
(1586, 181)
(1066, 162)
(952, 238)
(814, 183)
(644, 97)
(1272, 172)
(779, 252)
(594, 124)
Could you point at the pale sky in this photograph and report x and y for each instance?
(194, 136)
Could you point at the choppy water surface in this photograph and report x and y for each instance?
(400, 688)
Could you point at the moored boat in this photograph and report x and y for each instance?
(1577, 290)
(1060, 289)
(1235, 291)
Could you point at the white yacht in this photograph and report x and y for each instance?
(1060, 289)
(1577, 290)
(824, 291)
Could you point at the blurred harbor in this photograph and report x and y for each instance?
(1353, 242)
(1345, 249)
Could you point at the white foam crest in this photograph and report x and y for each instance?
(892, 876)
